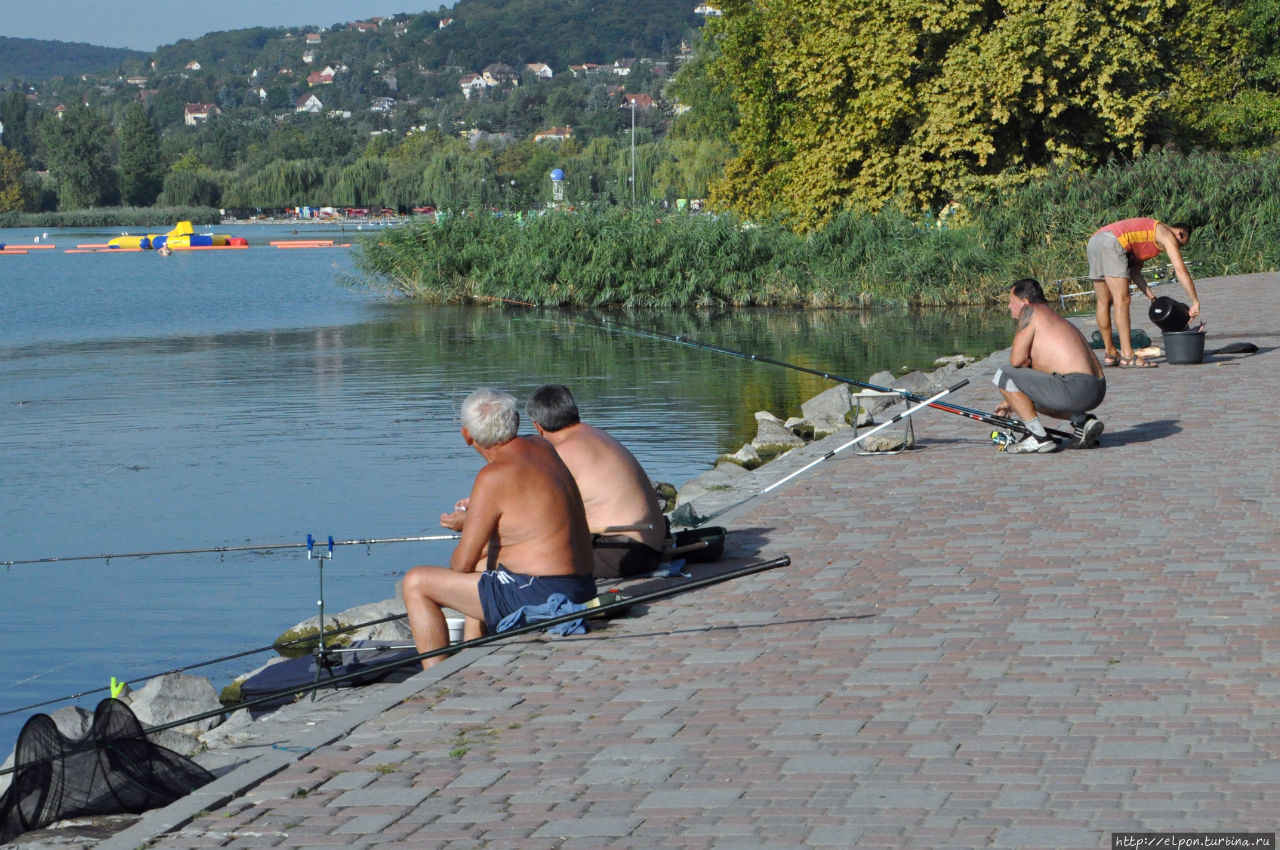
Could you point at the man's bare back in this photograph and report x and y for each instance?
(615, 489)
(526, 500)
(1046, 342)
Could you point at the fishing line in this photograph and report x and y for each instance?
(593, 613)
(970, 413)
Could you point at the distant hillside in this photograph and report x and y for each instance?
(32, 59)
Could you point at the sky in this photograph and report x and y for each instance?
(147, 24)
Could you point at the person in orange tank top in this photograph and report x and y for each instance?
(1117, 253)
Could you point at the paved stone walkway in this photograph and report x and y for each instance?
(969, 649)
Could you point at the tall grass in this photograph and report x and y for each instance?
(648, 258)
(113, 217)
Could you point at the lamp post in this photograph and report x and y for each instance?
(633, 151)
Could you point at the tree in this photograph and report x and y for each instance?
(15, 116)
(78, 157)
(853, 104)
(14, 196)
(141, 163)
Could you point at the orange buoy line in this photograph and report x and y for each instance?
(12, 246)
(94, 245)
(177, 248)
(302, 242)
(12, 251)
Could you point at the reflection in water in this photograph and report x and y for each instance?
(192, 403)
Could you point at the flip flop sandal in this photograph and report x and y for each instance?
(1108, 360)
(1135, 363)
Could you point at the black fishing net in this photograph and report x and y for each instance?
(113, 769)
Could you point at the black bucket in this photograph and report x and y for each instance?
(1184, 347)
(1169, 315)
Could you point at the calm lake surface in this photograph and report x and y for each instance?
(223, 398)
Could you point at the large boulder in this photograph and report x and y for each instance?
(773, 437)
(175, 696)
(725, 476)
(829, 410)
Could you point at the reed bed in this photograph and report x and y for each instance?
(113, 217)
(646, 257)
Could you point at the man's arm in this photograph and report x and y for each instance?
(483, 514)
(1166, 239)
(1022, 337)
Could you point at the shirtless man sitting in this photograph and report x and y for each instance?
(1051, 370)
(615, 489)
(525, 535)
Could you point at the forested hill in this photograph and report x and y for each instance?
(33, 59)
(475, 33)
(560, 32)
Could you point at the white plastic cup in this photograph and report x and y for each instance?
(455, 628)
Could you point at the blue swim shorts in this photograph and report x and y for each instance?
(502, 591)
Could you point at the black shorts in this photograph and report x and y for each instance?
(618, 556)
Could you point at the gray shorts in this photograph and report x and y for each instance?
(1106, 257)
(1076, 392)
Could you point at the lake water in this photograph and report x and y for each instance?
(223, 398)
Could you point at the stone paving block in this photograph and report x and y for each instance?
(376, 796)
(588, 828)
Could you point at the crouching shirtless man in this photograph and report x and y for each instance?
(525, 535)
(615, 489)
(1051, 370)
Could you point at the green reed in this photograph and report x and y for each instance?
(647, 257)
(113, 217)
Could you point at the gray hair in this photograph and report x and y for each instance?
(490, 416)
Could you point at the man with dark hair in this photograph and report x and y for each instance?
(524, 522)
(1117, 253)
(615, 489)
(1051, 370)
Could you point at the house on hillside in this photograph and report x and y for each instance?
(444, 22)
(319, 78)
(140, 82)
(59, 111)
(198, 113)
(472, 84)
(308, 103)
(193, 66)
(589, 69)
(622, 67)
(500, 73)
(382, 104)
(706, 11)
(639, 101)
(313, 38)
(554, 134)
(370, 25)
(259, 92)
(540, 70)
(310, 56)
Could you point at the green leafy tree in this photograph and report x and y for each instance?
(853, 104)
(14, 195)
(16, 116)
(79, 157)
(141, 163)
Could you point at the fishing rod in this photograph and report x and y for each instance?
(981, 416)
(276, 647)
(610, 529)
(224, 549)
(601, 611)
